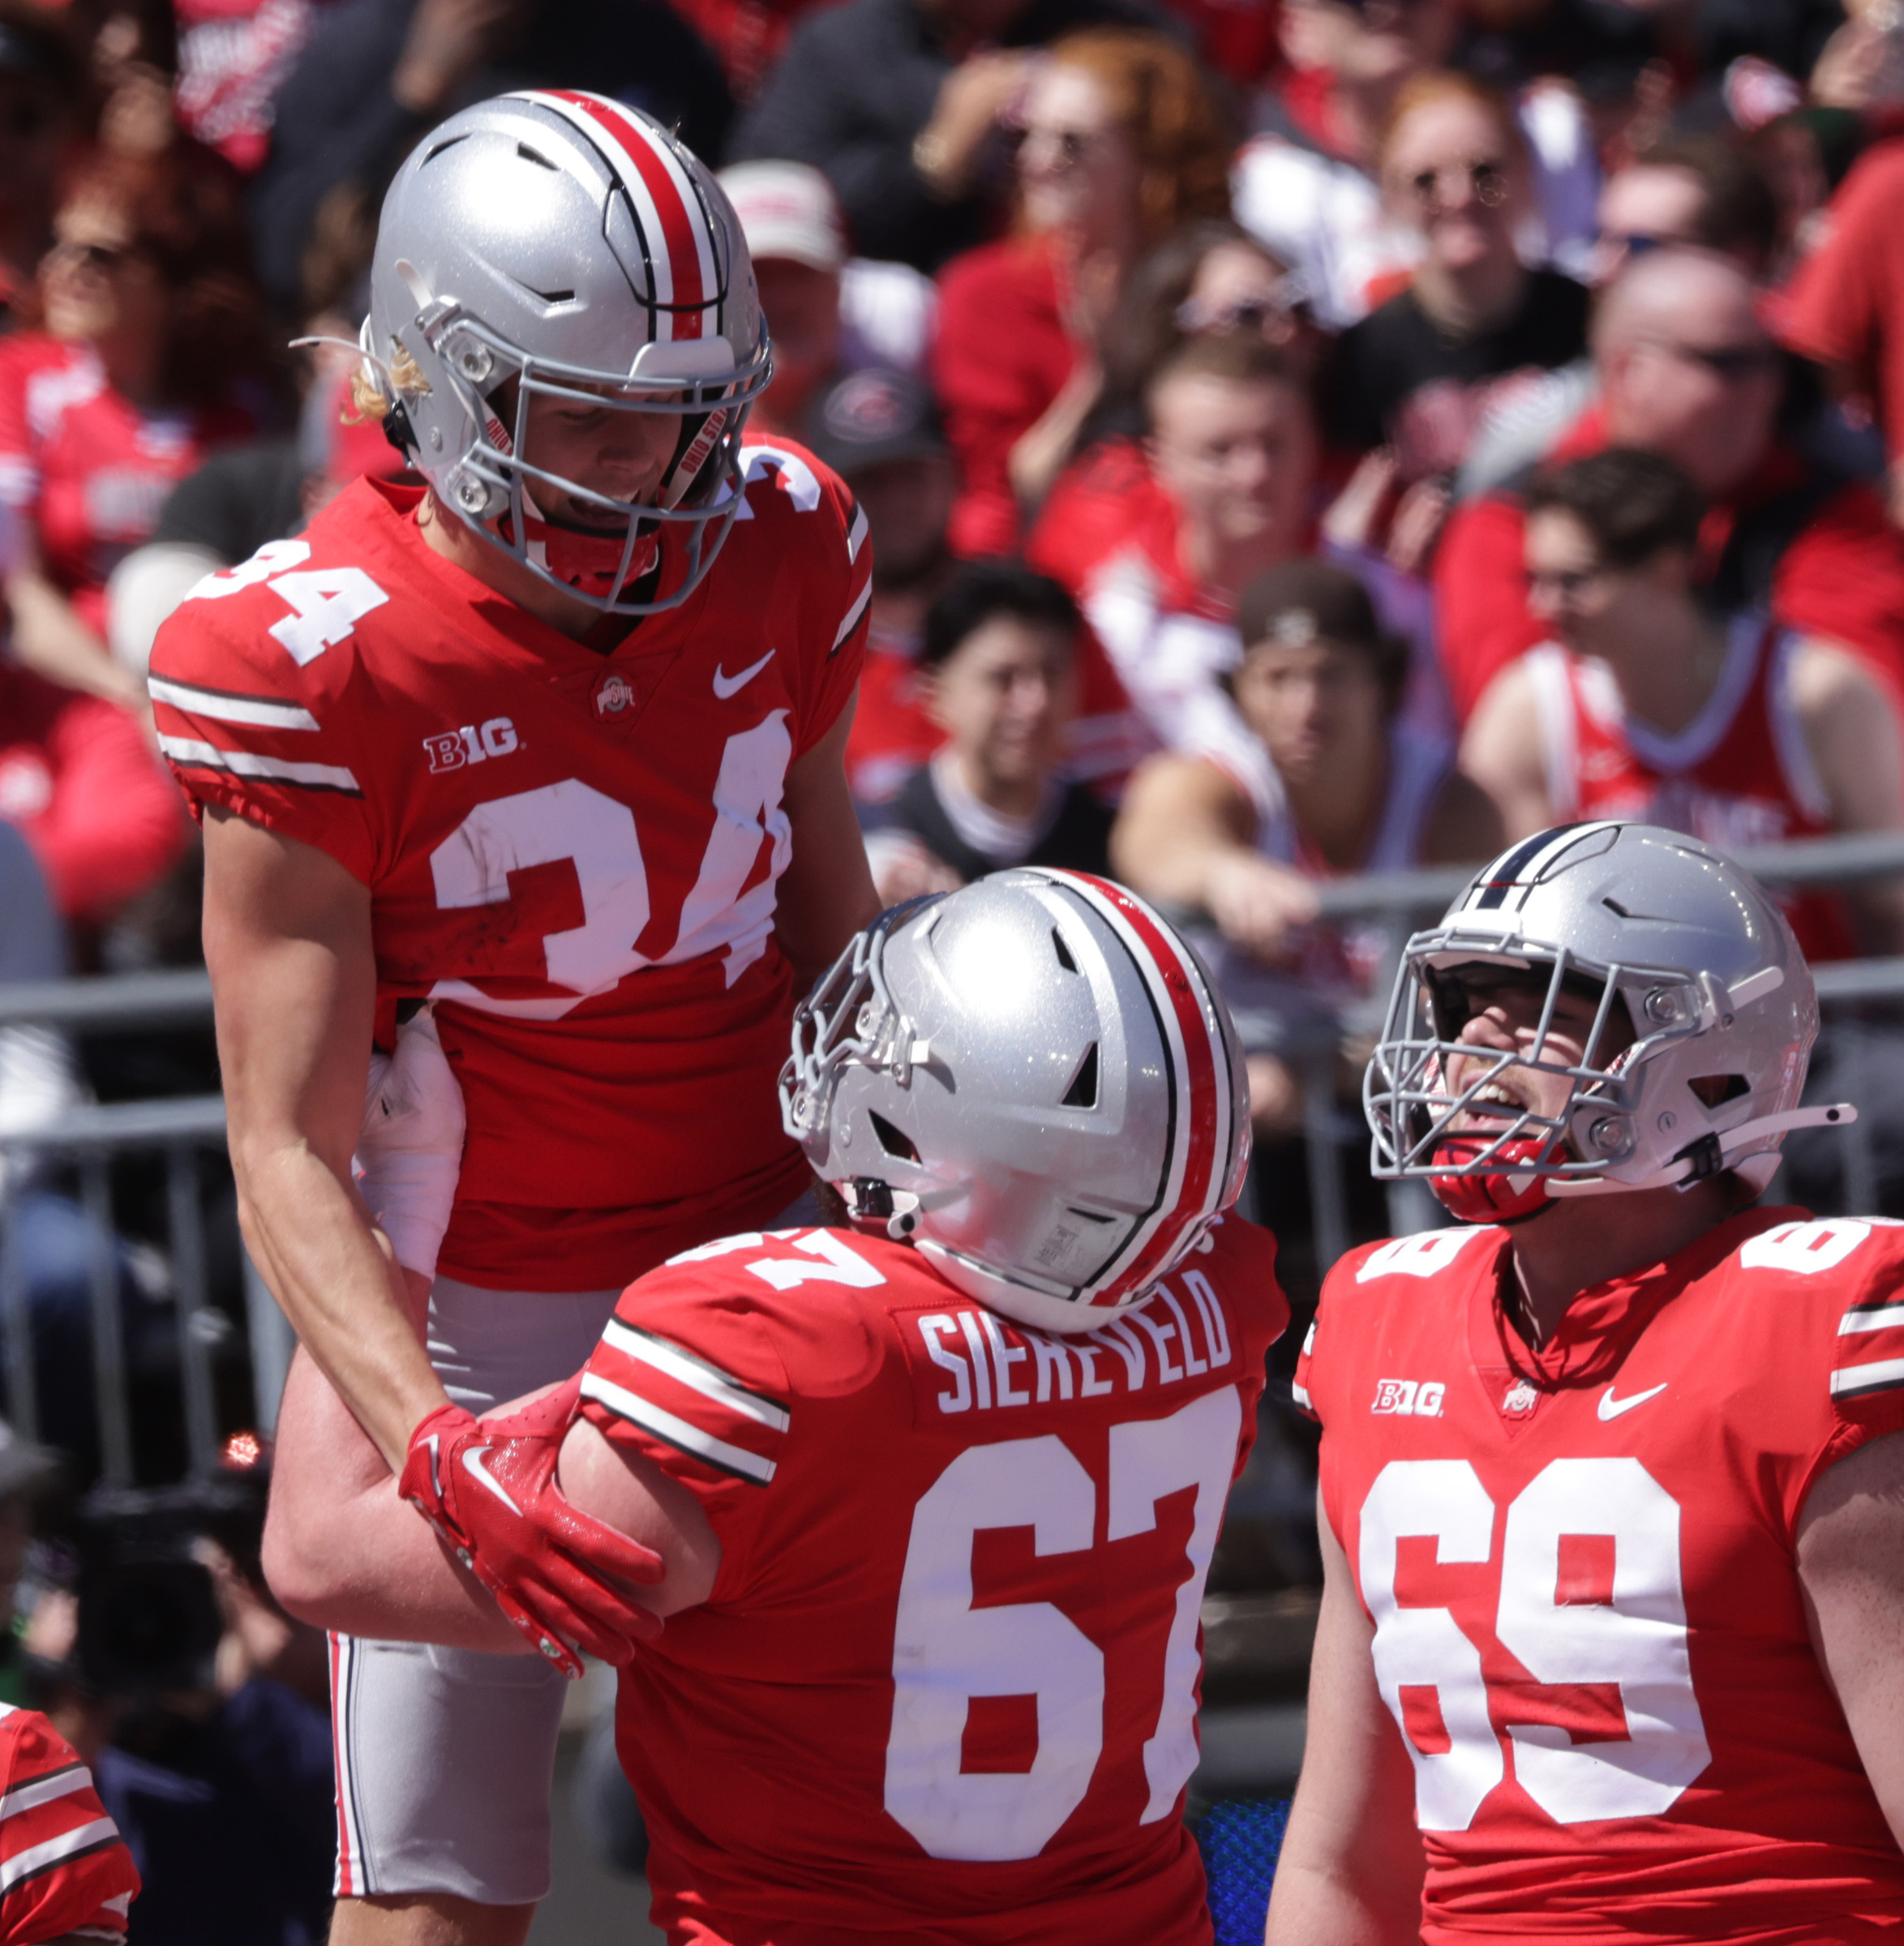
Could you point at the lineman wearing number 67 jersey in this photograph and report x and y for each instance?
(937, 1488)
(1612, 1490)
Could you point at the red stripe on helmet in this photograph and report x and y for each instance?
(678, 220)
(1172, 984)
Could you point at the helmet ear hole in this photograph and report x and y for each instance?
(895, 1141)
(1715, 1091)
(1083, 1092)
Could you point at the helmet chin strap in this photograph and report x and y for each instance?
(1710, 1155)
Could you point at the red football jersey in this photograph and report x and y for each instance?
(87, 468)
(575, 853)
(1738, 775)
(1579, 1563)
(63, 1866)
(946, 1687)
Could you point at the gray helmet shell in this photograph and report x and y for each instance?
(1712, 981)
(1034, 1080)
(563, 240)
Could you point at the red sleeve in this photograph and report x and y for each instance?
(114, 823)
(1480, 598)
(19, 476)
(64, 1866)
(1847, 304)
(844, 608)
(1843, 577)
(246, 725)
(1001, 357)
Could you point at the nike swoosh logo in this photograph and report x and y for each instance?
(1611, 1408)
(726, 685)
(473, 1462)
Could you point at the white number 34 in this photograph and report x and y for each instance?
(326, 603)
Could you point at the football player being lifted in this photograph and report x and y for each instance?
(935, 1489)
(1612, 1498)
(548, 740)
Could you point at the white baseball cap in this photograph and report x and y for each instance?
(787, 209)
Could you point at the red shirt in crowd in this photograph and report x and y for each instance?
(1003, 354)
(78, 778)
(1841, 577)
(86, 468)
(1847, 303)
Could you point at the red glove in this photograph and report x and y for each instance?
(488, 1488)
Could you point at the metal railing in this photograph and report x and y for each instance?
(182, 1129)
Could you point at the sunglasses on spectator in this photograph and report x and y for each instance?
(1633, 243)
(1196, 315)
(1072, 144)
(1487, 179)
(1732, 363)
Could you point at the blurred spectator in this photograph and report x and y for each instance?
(1685, 369)
(152, 328)
(200, 1706)
(238, 499)
(1353, 788)
(1206, 279)
(1861, 67)
(1305, 185)
(41, 94)
(999, 665)
(1648, 704)
(1122, 143)
(879, 432)
(747, 37)
(901, 103)
(376, 75)
(829, 313)
(1416, 377)
(1232, 456)
(1847, 301)
(85, 788)
(234, 57)
(1699, 189)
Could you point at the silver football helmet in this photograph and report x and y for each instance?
(555, 244)
(1721, 1005)
(1034, 1080)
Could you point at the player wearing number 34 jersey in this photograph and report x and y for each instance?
(1608, 1484)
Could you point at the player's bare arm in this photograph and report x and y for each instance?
(1851, 1561)
(826, 893)
(288, 942)
(357, 1559)
(1351, 1868)
(1501, 752)
(1852, 735)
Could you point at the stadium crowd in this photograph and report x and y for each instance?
(1298, 438)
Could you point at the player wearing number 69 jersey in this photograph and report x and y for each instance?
(936, 1489)
(1610, 1486)
(550, 739)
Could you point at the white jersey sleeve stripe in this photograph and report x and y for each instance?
(696, 1373)
(853, 613)
(44, 1789)
(247, 763)
(857, 532)
(1880, 1375)
(37, 1857)
(222, 706)
(1873, 1318)
(677, 1432)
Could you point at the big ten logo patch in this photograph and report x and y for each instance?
(473, 743)
(1408, 1396)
